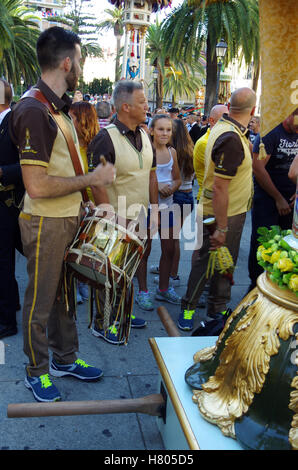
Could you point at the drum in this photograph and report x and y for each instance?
(104, 249)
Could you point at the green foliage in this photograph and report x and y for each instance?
(194, 27)
(18, 36)
(100, 86)
(278, 258)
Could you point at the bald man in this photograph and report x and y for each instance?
(226, 196)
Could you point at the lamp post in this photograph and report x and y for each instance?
(221, 49)
(155, 76)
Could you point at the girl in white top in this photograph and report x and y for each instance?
(183, 197)
(168, 177)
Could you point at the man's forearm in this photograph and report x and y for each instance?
(263, 179)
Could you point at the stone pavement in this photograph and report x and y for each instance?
(129, 372)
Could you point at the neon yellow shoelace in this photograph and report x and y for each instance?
(45, 381)
(113, 329)
(82, 363)
(188, 314)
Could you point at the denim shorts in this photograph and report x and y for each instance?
(184, 200)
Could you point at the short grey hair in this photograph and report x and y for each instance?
(123, 92)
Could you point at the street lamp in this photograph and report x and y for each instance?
(155, 77)
(221, 49)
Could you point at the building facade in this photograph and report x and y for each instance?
(44, 11)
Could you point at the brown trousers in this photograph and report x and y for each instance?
(46, 324)
(219, 286)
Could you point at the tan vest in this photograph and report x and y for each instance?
(130, 191)
(241, 185)
(60, 164)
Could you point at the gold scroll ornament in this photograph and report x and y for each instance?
(244, 361)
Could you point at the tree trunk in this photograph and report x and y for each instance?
(256, 75)
(211, 79)
(159, 88)
(117, 62)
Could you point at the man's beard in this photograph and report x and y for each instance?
(72, 79)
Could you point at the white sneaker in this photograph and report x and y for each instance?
(169, 296)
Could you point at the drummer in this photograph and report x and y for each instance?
(125, 144)
(50, 216)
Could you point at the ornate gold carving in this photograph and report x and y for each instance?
(244, 361)
(204, 354)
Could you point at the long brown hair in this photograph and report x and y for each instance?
(183, 144)
(87, 123)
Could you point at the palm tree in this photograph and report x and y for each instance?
(115, 22)
(200, 24)
(182, 80)
(175, 76)
(19, 33)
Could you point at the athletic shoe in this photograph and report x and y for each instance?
(111, 335)
(137, 322)
(214, 326)
(154, 269)
(143, 300)
(78, 369)
(83, 290)
(185, 321)
(42, 388)
(168, 296)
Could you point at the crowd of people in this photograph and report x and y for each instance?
(152, 161)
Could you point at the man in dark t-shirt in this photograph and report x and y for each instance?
(274, 191)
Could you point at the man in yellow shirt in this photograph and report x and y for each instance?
(200, 146)
(226, 196)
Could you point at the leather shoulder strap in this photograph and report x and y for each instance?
(38, 95)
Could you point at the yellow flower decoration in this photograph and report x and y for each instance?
(293, 283)
(285, 264)
(275, 256)
(266, 255)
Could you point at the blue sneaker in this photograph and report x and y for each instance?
(42, 388)
(78, 369)
(111, 336)
(137, 322)
(185, 321)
